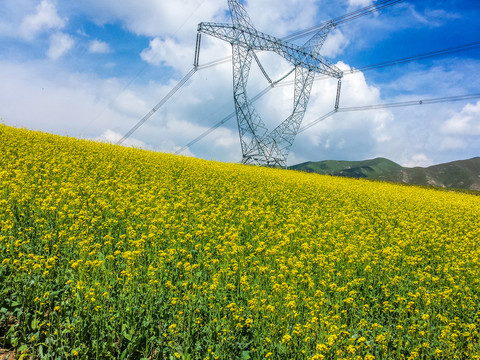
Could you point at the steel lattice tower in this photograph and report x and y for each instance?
(259, 146)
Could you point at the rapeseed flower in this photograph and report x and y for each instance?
(107, 250)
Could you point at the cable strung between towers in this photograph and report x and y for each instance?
(379, 5)
(259, 145)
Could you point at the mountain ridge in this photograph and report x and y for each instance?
(460, 174)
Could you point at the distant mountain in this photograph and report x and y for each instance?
(462, 174)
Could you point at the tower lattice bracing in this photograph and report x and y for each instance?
(259, 145)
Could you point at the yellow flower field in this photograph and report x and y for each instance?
(110, 252)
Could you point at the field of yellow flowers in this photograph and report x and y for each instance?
(109, 252)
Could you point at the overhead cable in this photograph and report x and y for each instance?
(337, 21)
(344, 18)
(417, 57)
(411, 103)
(158, 106)
(400, 61)
(231, 115)
(393, 105)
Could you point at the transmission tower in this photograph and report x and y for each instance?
(259, 145)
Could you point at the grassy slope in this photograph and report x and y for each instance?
(364, 169)
(463, 174)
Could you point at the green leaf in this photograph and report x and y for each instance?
(124, 354)
(246, 355)
(127, 336)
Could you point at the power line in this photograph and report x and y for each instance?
(231, 115)
(400, 61)
(339, 20)
(158, 106)
(347, 109)
(427, 55)
(344, 18)
(412, 58)
(135, 77)
(393, 105)
(220, 123)
(412, 103)
(320, 119)
(431, 54)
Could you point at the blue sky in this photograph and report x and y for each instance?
(91, 69)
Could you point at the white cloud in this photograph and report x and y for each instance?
(167, 52)
(335, 44)
(467, 122)
(60, 44)
(45, 18)
(421, 160)
(101, 109)
(461, 129)
(179, 54)
(278, 18)
(226, 139)
(453, 143)
(157, 18)
(98, 47)
(58, 101)
(359, 3)
(130, 104)
(179, 19)
(110, 136)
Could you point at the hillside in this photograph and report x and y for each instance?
(108, 252)
(463, 174)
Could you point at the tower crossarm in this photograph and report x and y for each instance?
(256, 40)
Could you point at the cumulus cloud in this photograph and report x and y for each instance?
(130, 104)
(58, 101)
(157, 18)
(335, 44)
(453, 143)
(278, 18)
(179, 19)
(467, 122)
(179, 54)
(226, 139)
(167, 52)
(421, 160)
(359, 3)
(99, 47)
(45, 18)
(461, 129)
(60, 44)
(110, 136)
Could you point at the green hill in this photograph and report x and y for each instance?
(462, 174)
